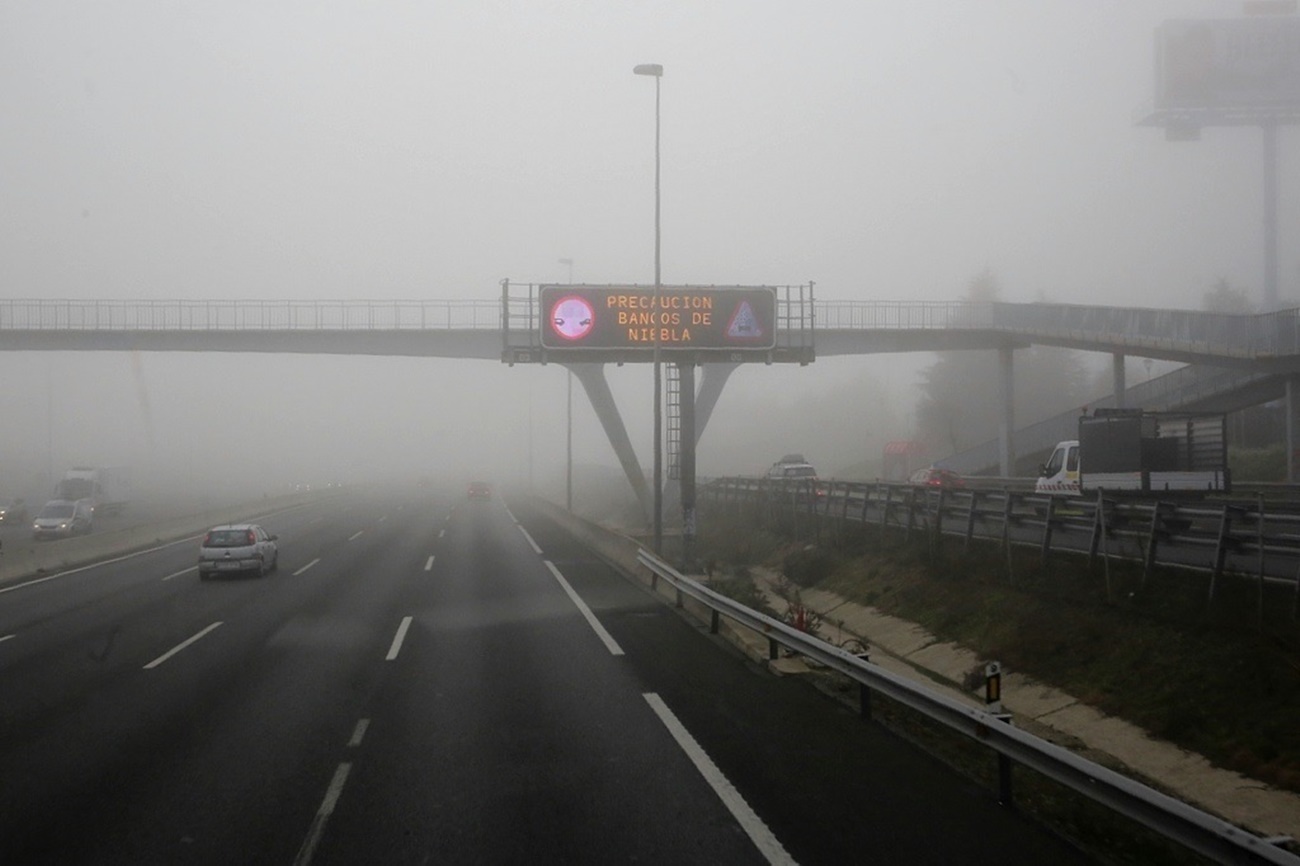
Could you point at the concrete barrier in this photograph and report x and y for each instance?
(48, 557)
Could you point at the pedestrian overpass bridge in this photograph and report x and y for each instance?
(1236, 360)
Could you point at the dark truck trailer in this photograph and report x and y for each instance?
(1130, 449)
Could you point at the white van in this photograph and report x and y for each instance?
(1060, 474)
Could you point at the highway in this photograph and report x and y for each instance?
(431, 679)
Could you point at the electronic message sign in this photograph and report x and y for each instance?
(673, 317)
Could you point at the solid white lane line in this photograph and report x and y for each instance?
(354, 536)
(358, 733)
(398, 638)
(182, 571)
(767, 844)
(536, 549)
(8, 637)
(307, 566)
(428, 566)
(180, 646)
(317, 830)
(606, 637)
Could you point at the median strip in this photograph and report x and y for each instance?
(180, 646)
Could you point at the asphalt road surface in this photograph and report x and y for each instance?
(425, 680)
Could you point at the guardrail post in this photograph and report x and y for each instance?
(884, 510)
(993, 703)
(1149, 561)
(714, 621)
(1048, 523)
(1260, 541)
(970, 520)
(1221, 549)
(939, 508)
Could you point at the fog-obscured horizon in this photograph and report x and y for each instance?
(888, 151)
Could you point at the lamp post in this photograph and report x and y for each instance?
(568, 438)
(656, 71)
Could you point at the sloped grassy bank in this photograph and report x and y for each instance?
(1222, 680)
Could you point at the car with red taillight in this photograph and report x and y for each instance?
(237, 548)
(937, 477)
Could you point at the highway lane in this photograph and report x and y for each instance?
(416, 684)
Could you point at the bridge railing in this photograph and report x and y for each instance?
(247, 315)
(1191, 330)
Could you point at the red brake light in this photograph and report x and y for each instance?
(251, 538)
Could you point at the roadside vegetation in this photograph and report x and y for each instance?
(1222, 680)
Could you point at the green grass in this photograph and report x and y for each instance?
(1211, 678)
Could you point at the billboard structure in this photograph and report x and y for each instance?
(631, 323)
(1229, 70)
(1233, 72)
(676, 318)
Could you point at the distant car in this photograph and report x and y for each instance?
(63, 518)
(792, 466)
(478, 490)
(237, 548)
(936, 477)
(14, 511)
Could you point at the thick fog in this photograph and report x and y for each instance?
(348, 150)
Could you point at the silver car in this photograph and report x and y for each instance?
(63, 518)
(237, 548)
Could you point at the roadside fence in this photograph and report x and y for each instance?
(1237, 538)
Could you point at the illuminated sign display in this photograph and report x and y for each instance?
(676, 317)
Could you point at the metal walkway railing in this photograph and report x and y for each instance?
(1214, 335)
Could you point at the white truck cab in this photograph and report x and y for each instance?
(1060, 474)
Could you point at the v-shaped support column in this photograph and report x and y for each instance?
(592, 377)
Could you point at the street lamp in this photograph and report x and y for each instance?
(568, 440)
(656, 71)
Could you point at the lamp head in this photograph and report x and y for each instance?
(655, 69)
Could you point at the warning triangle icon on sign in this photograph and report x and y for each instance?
(744, 324)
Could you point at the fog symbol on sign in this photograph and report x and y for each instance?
(744, 324)
(572, 317)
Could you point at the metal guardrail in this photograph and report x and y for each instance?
(1257, 537)
(1194, 829)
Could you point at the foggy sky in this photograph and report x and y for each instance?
(886, 151)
